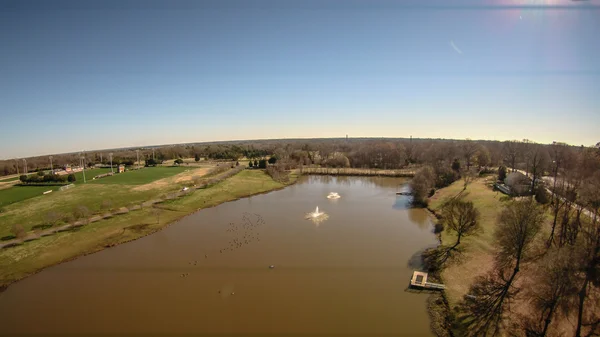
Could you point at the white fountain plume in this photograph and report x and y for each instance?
(333, 195)
(316, 216)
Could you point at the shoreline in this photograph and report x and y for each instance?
(5, 284)
(438, 308)
(358, 172)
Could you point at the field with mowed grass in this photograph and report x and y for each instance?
(25, 205)
(17, 262)
(478, 250)
(8, 179)
(19, 193)
(142, 176)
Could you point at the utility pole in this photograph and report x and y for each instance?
(17, 161)
(137, 152)
(111, 168)
(51, 166)
(83, 160)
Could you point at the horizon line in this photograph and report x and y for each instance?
(278, 139)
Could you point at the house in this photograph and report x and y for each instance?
(121, 168)
(518, 183)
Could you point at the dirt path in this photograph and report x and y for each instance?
(180, 178)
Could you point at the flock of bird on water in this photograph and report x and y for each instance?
(247, 232)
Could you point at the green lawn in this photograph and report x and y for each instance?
(89, 174)
(142, 176)
(9, 179)
(20, 193)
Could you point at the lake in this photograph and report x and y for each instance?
(252, 266)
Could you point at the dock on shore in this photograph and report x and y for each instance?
(419, 280)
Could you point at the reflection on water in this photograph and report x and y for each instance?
(420, 217)
(246, 267)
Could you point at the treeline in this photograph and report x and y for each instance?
(41, 178)
(564, 167)
(339, 153)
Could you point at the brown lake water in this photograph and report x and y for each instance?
(210, 272)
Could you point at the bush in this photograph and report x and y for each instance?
(501, 173)
(272, 160)
(250, 164)
(542, 196)
(18, 231)
(178, 161)
(262, 164)
(81, 212)
(41, 173)
(456, 166)
(71, 178)
(23, 178)
(150, 162)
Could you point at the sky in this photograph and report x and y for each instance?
(86, 75)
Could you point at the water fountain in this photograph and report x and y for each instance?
(316, 213)
(316, 216)
(333, 195)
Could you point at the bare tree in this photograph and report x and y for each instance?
(461, 217)
(538, 160)
(469, 148)
(81, 212)
(18, 231)
(519, 223)
(106, 204)
(421, 184)
(511, 153)
(483, 157)
(588, 255)
(53, 217)
(553, 284)
(468, 177)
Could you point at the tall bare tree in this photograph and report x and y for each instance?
(511, 152)
(462, 218)
(468, 148)
(519, 224)
(588, 249)
(538, 161)
(552, 285)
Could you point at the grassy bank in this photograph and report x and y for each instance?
(21, 261)
(26, 206)
(478, 250)
(477, 255)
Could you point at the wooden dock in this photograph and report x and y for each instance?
(419, 280)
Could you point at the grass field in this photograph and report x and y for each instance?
(89, 174)
(18, 262)
(477, 258)
(28, 207)
(142, 176)
(20, 193)
(479, 250)
(9, 179)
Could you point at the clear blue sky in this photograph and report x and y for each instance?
(100, 74)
